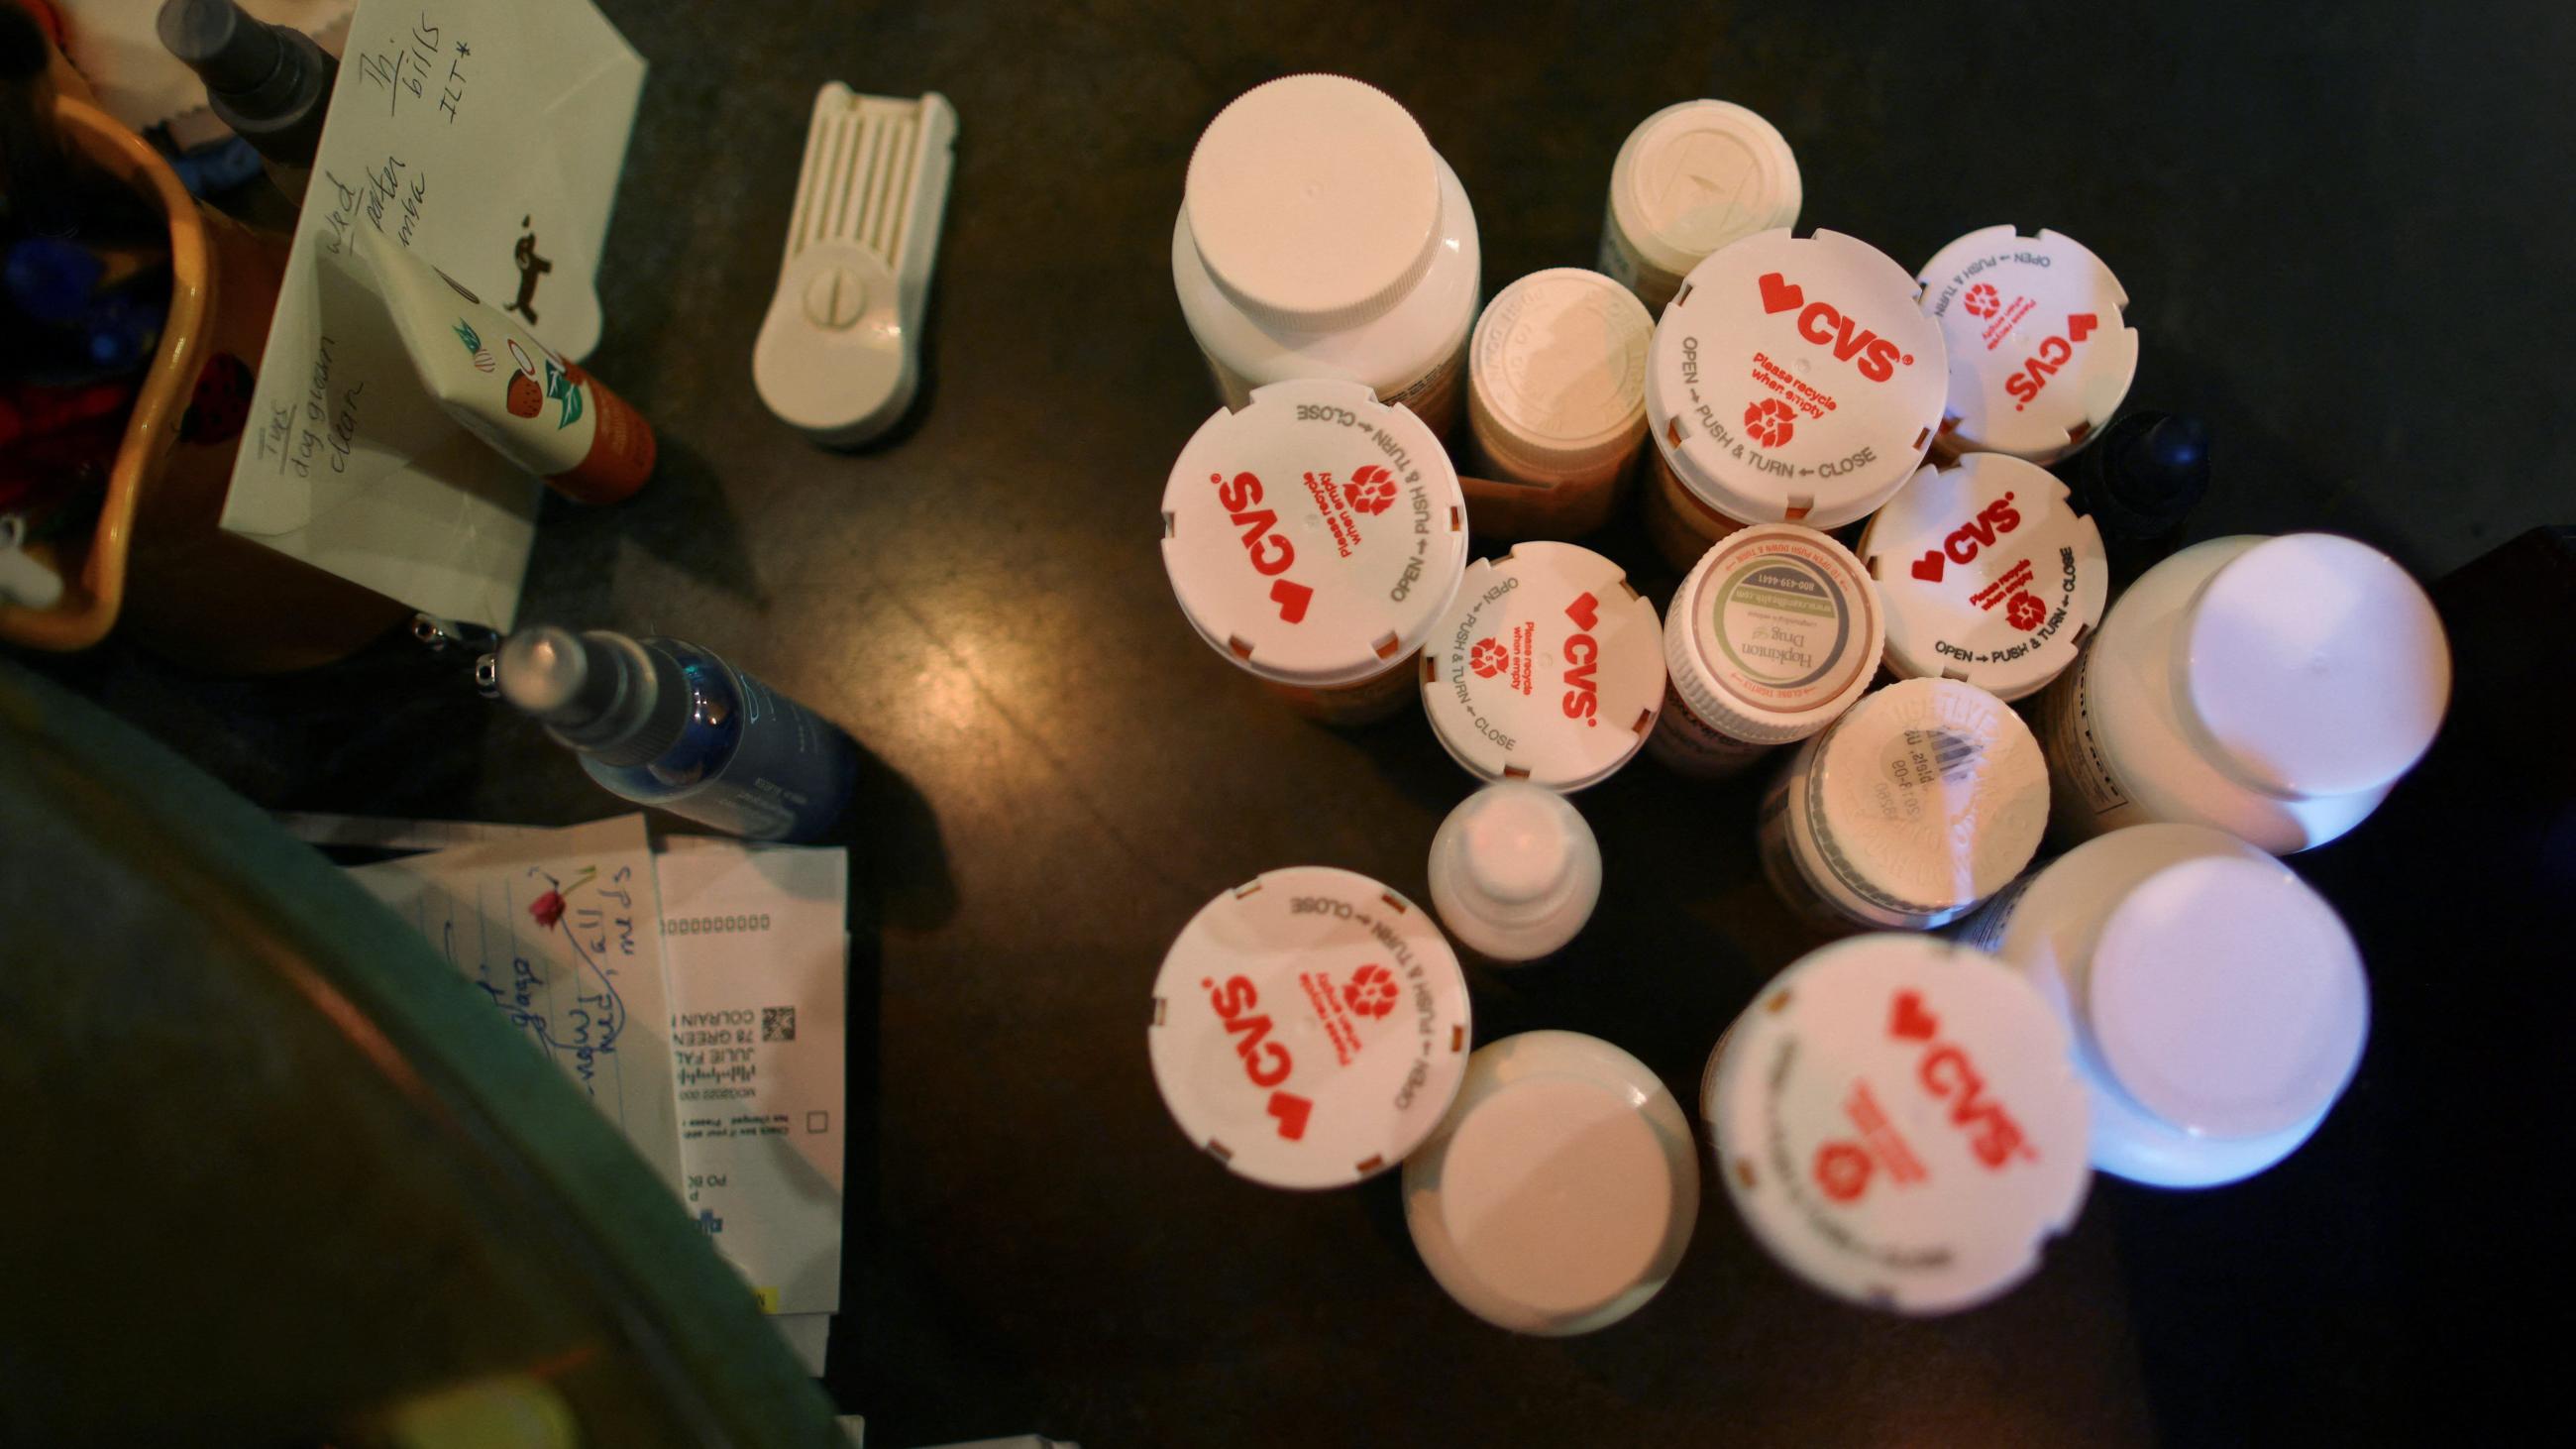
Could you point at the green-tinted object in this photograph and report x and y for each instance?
(273, 1170)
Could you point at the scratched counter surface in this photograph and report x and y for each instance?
(1062, 772)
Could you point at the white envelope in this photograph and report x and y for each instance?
(487, 136)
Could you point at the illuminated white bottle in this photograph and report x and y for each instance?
(1691, 178)
(1515, 872)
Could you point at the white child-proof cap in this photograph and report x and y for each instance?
(1558, 1195)
(1515, 872)
(2039, 356)
(1558, 373)
(1691, 178)
(1316, 536)
(1989, 574)
(1926, 798)
(1900, 1122)
(1549, 667)
(1774, 632)
(1315, 202)
(2314, 666)
(2227, 998)
(1794, 378)
(1310, 1027)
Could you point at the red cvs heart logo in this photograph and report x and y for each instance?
(1292, 1112)
(1292, 598)
(1779, 294)
(2080, 325)
(1928, 568)
(1910, 1022)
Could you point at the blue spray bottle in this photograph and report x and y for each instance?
(670, 725)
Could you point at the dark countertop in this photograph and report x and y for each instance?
(2342, 231)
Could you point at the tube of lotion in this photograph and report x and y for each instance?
(504, 386)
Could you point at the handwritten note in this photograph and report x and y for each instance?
(561, 933)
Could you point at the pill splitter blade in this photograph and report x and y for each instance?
(839, 353)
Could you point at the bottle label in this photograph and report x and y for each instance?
(1985, 929)
(2075, 756)
(789, 775)
(1689, 745)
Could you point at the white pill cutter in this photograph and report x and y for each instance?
(839, 352)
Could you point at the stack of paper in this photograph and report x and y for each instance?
(699, 997)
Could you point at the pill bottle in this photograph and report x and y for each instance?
(2039, 356)
(1556, 404)
(2217, 1003)
(2273, 688)
(1559, 1193)
(1549, 668)
(1771, 636)
(1900, 1123)
(1515, 872)
(1310, 1027)
(1988, 574)
(1315, 537)
(1321, 236)
(1792, 379)
(1922, 800)
(1691, 178)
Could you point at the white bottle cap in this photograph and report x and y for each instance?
(1774, 633)
(1560, 1192)
(1315, 202)
(2314, 666)
(2227, 998)
(1793, 378)
(2039, 356)
(1692, 178)
(1310, 1027)
(1557, 374)
(1926, 798)
(1548, 668)
(1316, 536)
(1515, 872)
(1900, 1122)
(1989, 574)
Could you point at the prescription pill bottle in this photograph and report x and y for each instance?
(1691, 178)
(1321, 236)
(1988, 574)
(2273, 688)
(1549, 668)
(1310, 1027)
(1900, 1123)
(1771, 636)
(1556, 404)
(1315, 538)
(1792, 379)
(1515, 872)
(1560, 1192)
(2039, 357)
(2217, 1002)
(1922, 800)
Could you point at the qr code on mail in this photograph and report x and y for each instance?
(778, 1023)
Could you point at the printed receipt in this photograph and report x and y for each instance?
(561, 930)
(757, 943)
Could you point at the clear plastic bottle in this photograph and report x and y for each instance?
(667, 724)
(1321, 236)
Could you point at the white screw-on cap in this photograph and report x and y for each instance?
(1989, 575)
(1924, 799)
(1794, 379)
(1548, 668)
(1310, 1027)
(2314, 666)
(1560, 1192)
(2039, 356)
(1315, 202)
(2227, 998)
(1690, 179)
(1900, 1122)
(1557, 373)
(1774, 632)
(1515, 872)
(1316, 536)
